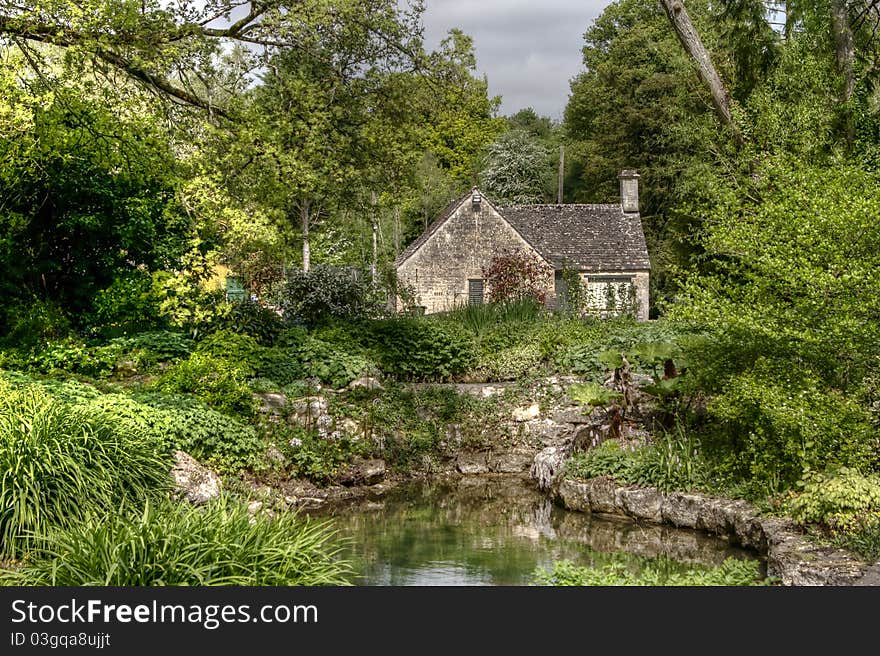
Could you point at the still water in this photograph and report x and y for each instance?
(498, 531)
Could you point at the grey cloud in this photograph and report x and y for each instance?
(529, 51)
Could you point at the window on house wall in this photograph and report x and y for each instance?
(611, 295)
(475, 291)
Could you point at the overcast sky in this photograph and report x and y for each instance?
(528, 49)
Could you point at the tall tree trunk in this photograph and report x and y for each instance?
(374, 267)
(396, 231)
(307, 252)
(844, 54)
(690, 40)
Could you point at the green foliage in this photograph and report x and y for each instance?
(672, 461)
(75, 356)
(605, 459)
(163, 345)
(241, 349)
(32, 322)
(841, 500)
(419, 348)
(732, 572)
(185, 423)
(251, 318)
(593, 394)
(62, 463)
(325, 293)
(178, 544)
(774, 425)
(863, 540)
(128, 305)
(217, 381)
(512, 363)
(88, 203)
(318, 459)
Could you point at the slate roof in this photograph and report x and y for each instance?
(586, 237)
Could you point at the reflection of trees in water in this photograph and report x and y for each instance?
(496, 531)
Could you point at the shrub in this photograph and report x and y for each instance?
(418, 348)
(250, 318)
(75, 356)
(128, 305)
(318, 459)
(517, 276)
(774, 425)
(217, 381)
(187, 424)
(511, 363)
(239, 349)
(62, 463)
(863, 540)
(31, 323)
(163, 345)
(325, 293)
(606, 459)
(179, 544)
(840, 499)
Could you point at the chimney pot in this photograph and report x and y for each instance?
(629, 190)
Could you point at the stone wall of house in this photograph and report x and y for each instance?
(640, 280)
(457, 252)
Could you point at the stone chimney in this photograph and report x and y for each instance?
(629, 191)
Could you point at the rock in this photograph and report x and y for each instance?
(643, 503)
(275, 456)
(791, 556)
(271, 404)
(548, 465)
(365, 382)
(254, 507)
(509, 462)
(604, 496)
(680, 509)
(489, 390)
(195, 481)
(574, 415)
(363, 472)
(472, 463)
(871, 576)
(574, 495)
(527, 413)
(549, 432)
(309, 406)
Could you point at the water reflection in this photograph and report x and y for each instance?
(497, 531)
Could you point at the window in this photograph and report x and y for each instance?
(475, 291)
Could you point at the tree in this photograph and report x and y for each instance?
(690, 40)
(91, 198)
(162, 46)
(516, 169)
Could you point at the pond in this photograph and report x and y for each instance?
(484, 530)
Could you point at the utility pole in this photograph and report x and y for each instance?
(561, 172)
(373, 267)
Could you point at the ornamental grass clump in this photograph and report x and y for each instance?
(60, 464)
(174, 544)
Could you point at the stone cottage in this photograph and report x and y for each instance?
(604, 244)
